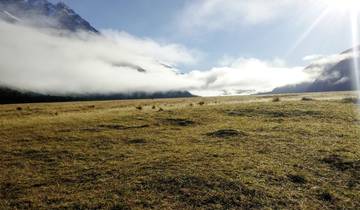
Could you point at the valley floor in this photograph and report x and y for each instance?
(251, 152)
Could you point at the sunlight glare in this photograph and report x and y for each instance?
(344, 5)
(308, 31)
(355, 51)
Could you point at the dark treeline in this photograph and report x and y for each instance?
(10, 96)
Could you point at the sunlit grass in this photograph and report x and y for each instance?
(200, 153)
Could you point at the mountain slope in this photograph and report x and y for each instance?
(58, 16)
(338, 76)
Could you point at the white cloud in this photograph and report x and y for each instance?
(248, 76)
(313, 57)
(58, 63)
(171, 53)
(331, 59)
(222, 14)
(318, 59)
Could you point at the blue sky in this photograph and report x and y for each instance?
(163, 21)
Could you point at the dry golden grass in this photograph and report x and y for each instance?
(199, 153)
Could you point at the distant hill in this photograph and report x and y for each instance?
(42, 13)
(338, 76)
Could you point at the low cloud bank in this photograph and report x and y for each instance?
(61, 63)
(248, 76)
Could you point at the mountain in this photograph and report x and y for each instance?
(58, 16)
(335, 76)
(44, 14)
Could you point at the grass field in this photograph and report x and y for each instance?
(252, 152)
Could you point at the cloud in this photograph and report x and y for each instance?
(59, 63)
(223, 14)
(330, 59)
(313, 57)
(171, 53)
(248, 76)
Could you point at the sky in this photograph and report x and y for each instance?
(207, 47)
(260, 29)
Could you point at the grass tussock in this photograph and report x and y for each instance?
(352, 100)
(237, 153)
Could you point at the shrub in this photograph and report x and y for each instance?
(18, 108)
(297, 179)
(201, 103)
(139, 107)
(307, 99)
(326, 196)
(276, 99)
